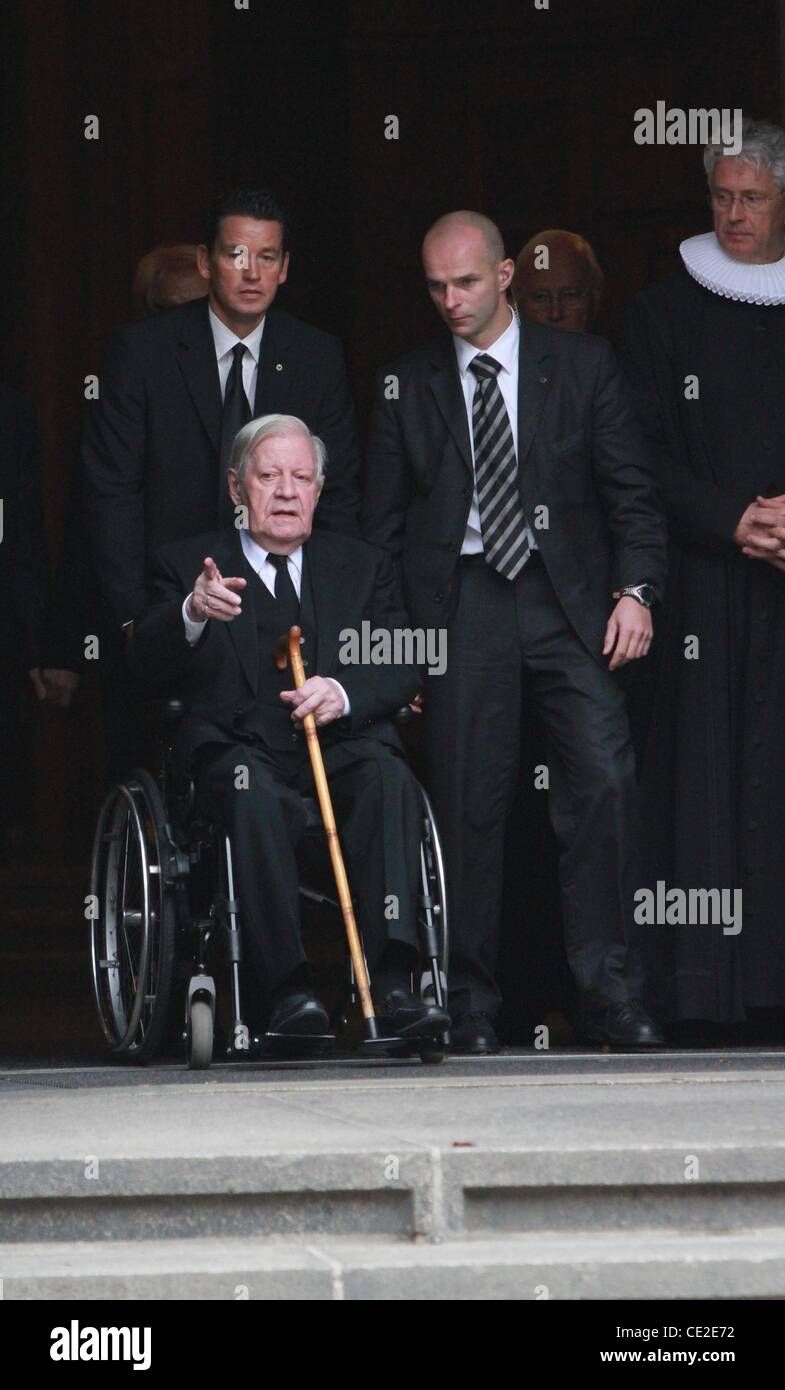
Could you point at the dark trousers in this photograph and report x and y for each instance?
(509, 643)
(379, 819)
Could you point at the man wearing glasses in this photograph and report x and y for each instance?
(705, 353)
(558, 281)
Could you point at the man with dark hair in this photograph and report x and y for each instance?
(176, 388)
(260, 204)
(506, 474)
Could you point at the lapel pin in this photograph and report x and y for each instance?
(543, 381)
(279, 366)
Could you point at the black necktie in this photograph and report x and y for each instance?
(502, 522)
(285, 593)
(236, 413)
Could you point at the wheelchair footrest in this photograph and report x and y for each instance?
(373, 1046)
(293, 1045)
(428, 1049)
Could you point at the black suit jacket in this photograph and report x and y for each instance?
(151, 448)
(24, 563)
(580, 456)
(351, 583)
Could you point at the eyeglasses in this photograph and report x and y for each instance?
(567, 298)
(751, 202)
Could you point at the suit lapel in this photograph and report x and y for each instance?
(535, 369)
(308, 619)
(196, 359)
(242, 631)
(272, 376)
(328, 588)
(445, 386)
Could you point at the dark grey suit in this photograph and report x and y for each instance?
(583, 473)
(152, 439)
(235, 719)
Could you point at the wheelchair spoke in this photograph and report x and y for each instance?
(128, 953)
(125, 855)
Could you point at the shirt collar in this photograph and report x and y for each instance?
(504, 350)
(256, 555)
(224, 339)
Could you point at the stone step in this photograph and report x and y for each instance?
(608, 1266)
(397, 1155)
(406, 1192)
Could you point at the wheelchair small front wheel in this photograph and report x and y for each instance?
(199, 1037)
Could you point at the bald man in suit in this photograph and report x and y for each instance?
(507, 478)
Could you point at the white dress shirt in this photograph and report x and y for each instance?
(505, 351)
(258, 559)
(225, 340)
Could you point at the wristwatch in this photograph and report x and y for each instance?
(642, 593)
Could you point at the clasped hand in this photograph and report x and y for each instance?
(761, 531)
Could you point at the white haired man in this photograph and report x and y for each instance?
(705, 355)
(221, 601)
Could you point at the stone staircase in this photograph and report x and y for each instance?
(521, 1177)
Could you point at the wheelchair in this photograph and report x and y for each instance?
(167, 923)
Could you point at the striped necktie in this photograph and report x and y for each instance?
(502, 521)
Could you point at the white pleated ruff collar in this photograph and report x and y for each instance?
(713, 268)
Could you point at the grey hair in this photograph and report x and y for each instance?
(762, 146)
(265, 427)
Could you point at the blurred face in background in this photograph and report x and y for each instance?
(564, 293)
(165, 277)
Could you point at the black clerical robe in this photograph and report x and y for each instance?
(708, 378)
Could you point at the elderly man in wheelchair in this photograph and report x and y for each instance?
(220, 603)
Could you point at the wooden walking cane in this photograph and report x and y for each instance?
(289, 649)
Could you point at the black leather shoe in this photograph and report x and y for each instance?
(403, 1015)
(474, 1035)
(622, 1025)
(299, 1015)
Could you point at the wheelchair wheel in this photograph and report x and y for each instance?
(133, 933)
(199, 1040)
(432, 905)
